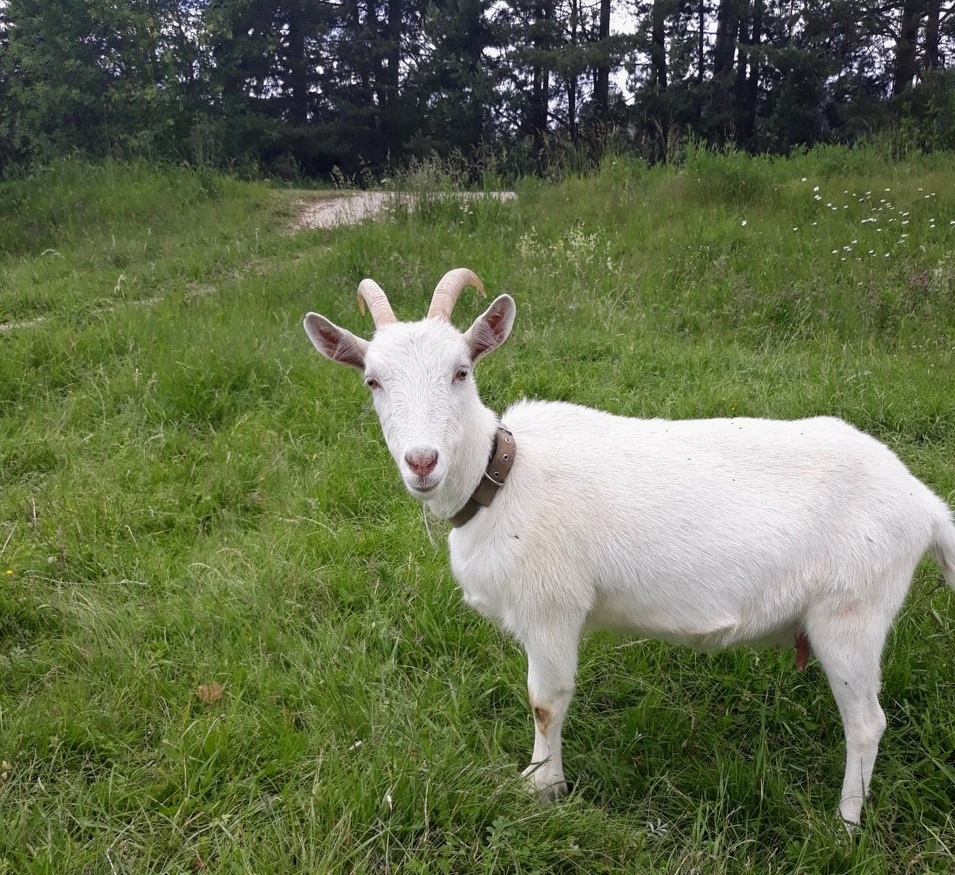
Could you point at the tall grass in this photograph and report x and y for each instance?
(226, 642)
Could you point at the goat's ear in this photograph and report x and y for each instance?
(335, 343)
(492, 327)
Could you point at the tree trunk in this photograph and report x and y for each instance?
(906, 49)
(393, 47)
(749, 94)
(540, 92)
(724, 54)
(933, 60)
(602, 79)
(390, 111)
(298, 66)
(658, 49)
(724, 49)
(357, 30)
(571, 77)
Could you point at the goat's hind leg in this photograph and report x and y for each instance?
(848, 645)
(551, 668)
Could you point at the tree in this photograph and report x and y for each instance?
(721, 118)
(933, 21)
(528, 33)
(98, 76)
(906, 51)
(55, 79)
(605, 58)
(454, 87)
(658, 53)
(748, 75)
(6, 146)
(305, 85)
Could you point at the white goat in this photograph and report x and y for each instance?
(709, 533)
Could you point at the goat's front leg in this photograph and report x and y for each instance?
(551, 667)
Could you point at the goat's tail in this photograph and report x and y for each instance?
(943, 548)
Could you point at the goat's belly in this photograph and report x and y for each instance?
(707, 630)
(707, 634)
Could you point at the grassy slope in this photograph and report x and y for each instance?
(191, 497)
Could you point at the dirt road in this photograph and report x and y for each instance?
(354, 207)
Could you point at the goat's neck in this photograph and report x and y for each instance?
(468, 464)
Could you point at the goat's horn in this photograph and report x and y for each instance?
(448, 290)
(370, 293)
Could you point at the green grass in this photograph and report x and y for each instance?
(190, 496)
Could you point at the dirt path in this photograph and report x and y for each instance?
(352, 208)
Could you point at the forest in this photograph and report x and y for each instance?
(301, 88)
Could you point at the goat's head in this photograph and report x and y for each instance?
(420, 374)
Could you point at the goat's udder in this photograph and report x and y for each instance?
(802, 651)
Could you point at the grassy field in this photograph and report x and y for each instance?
(226, 641)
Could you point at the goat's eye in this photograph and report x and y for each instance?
(372, 383)
(461, 374)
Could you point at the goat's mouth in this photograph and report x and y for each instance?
(422, 486)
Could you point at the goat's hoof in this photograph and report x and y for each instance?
(850, 813)
(850, 827)
(552, 792)
(549, 788)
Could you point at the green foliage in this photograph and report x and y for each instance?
(297, 88)
(98, 78)
(226, 643)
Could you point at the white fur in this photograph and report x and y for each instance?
(708, 533)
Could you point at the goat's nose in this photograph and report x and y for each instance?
(422, 462)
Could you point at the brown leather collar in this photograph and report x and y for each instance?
(498, 467)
